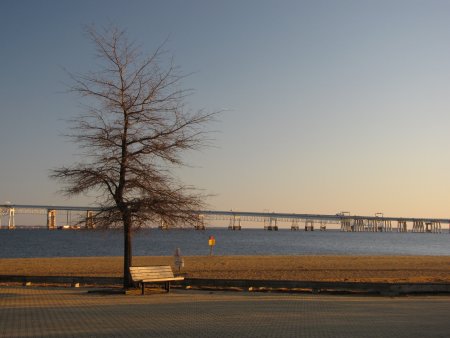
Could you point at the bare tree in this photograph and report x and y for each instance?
(133, 131)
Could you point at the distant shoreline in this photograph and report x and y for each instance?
(414, 269)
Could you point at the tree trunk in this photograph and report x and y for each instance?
(127, 254)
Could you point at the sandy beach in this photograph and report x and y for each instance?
(304, 268)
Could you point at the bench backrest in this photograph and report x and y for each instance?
(151, 272)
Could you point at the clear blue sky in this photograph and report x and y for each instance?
(331, 105)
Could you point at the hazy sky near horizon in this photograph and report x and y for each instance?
(329, 105)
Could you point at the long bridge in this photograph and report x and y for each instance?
(235, 219)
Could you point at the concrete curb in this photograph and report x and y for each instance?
(61, 279)
(254, 285)
(330, 287)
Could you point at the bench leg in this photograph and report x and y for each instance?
(167, 287)
(143, 288)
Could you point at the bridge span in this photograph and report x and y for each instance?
(310, 222)
(10, 210)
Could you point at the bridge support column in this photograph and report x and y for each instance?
(51, 219)
(388, 225)
(418, 226)
(370, 225)
(366, 225)
(272, 225)
(359, 225)
(345, 224)
(235, 223)
(401, 226)
(379, 223)
(434, 227)
(437, 227)
(90, 224)
(200, 223)
(374, 227)
(379, 226)
(294, 225)
(309, 225)
(11, 219)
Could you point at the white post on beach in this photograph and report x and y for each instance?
(179, 261)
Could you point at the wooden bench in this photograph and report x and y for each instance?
(153, 274)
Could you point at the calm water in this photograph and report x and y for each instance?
(43, 243)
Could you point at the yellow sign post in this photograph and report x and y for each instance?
(211, 243)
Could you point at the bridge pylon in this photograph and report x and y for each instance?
(235, 223)
(51, 219)
(200, 223)
(401, 226)
(90, 224)
(11, 219)
(418, 226)
(309, 225)
(434, 227)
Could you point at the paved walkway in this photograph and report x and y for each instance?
(58, 312)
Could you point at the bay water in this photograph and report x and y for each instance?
(28, 243)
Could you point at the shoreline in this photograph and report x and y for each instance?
(379, 269)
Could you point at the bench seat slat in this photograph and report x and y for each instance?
(153, 274)
(142, 276)
(161, 279)
(151, 269)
